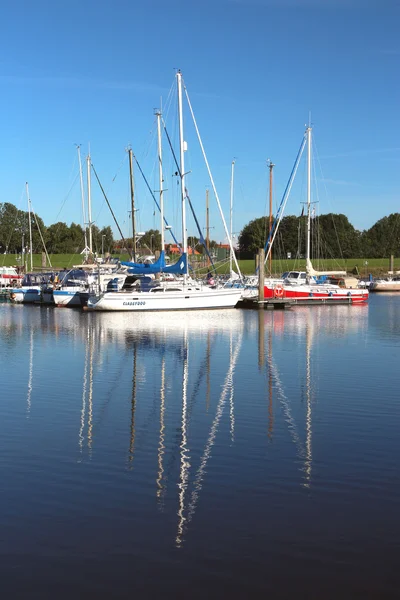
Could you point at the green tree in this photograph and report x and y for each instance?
(150, 241)
(383, 238)
(253, 236)
(335, 237)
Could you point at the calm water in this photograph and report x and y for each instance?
(226, 454)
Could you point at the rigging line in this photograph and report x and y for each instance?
(278, 218)
(41, 237)
(188, 199)
(68, 193)
(109, 206)
(198, 481)
(155, 200)
(317, 159)
(212, 183)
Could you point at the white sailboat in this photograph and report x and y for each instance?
(179, 295)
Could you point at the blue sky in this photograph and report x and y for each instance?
(92, 73)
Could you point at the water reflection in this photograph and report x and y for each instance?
(157, 367)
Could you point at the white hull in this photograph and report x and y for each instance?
(67, 297)
(165, 299)
(385, 286)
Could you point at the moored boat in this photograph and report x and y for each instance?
(311, 286)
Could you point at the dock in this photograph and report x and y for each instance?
(283, 303)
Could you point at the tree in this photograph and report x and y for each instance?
(383, 238)
(253, 236)
(150, 241)
(335, 237)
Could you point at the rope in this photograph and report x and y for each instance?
(188, 199)
(108, 204)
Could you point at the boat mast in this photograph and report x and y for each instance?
(30, 225)
(132, 205)
(308, 260)
(182, 168)
(231, 220)
(83, 199)
(89, 197)
(270, 166)
(207, 228)
(160, 175)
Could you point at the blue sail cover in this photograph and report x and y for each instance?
(158, 267)
(145, 269)
(179, 268)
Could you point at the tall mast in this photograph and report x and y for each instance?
(30, 225)
(182, 167)
(207, 228)
(83, 197)
(308, 196)
(132, 205)
(160, 175)
(231, 220)
(271, 166)
(89, 199)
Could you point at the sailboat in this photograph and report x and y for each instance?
(302, 286)
(182, 294)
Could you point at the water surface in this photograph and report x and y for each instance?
(211, 454)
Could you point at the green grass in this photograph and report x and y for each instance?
(376, 266)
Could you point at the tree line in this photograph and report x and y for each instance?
(58, 238)
(332, 236)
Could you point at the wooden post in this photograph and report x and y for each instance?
(391, 264)
(261, 256)
(44, 263)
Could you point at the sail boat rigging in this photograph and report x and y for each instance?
(179, 295)
(304, 287)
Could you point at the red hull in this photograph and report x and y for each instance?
(312, 294)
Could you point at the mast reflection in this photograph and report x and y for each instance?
(30, 378)
(185, 464)
(161, 446)
(133, 406)
(200, 474)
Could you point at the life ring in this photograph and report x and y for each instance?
(278, 291)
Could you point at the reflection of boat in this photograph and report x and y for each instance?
(305, 287)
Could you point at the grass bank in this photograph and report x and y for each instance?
(376, 266)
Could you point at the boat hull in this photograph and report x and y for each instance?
(26, 296)
(166, 300)
(316, 294)
(385, 286)
(68, 298)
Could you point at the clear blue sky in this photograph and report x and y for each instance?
(92, 72)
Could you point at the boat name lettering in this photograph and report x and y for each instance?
(138, 303)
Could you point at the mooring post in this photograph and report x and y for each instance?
(261, 256)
